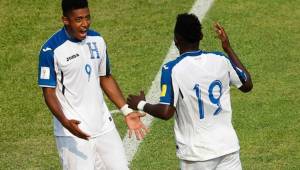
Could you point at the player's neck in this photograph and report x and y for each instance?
(183, 48)
(69, 34)
(188, 49)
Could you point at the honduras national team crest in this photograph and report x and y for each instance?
(93, 50)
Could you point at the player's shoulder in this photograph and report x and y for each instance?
(93, 35)
(57, 39)
(92, 32)
(214, 53)
(171, 64)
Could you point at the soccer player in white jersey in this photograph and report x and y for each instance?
(74, 68)
(196, 88)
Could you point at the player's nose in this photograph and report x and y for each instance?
(85, 23)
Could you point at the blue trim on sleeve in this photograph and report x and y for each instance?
(166, 80)
(241, 74)
(46, 61)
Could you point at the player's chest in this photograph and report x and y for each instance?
(76, 56)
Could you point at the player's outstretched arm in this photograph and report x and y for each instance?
(132, 119)
(247, 85)
(162, 111)
(55, 107)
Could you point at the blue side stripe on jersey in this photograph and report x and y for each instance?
(108, 72)
(180, 92)
(62, 82)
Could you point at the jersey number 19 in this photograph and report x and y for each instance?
(215, 101)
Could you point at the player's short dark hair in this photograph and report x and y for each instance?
(69, 5)
(188, 27)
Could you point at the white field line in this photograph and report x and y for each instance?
(114, 111)
(131, 145)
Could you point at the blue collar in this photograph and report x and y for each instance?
(190, 53)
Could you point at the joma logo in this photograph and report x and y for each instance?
(72, 57)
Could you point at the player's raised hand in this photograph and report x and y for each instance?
(133, 100)
(222, 35)
(135, 125)
(72, 126)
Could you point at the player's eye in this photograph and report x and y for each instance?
(78, 20)
(88, 18)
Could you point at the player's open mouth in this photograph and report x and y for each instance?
(83, 33)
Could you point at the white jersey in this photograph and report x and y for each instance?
(73, 68)
(197, 83)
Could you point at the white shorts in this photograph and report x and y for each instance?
(226, 162)
(104, 152)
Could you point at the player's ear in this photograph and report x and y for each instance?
(65, 20)
(175, 40)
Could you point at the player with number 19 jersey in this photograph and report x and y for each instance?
(73, 68)
(198, 83)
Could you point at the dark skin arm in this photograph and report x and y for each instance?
(247, 85)
(112, 90)
(161, 111)
(55, 107)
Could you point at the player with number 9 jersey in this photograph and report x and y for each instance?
(73, 67)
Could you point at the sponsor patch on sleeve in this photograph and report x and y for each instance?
(163, 90)
(45, 73)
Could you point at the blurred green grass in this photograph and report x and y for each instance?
(265, 34)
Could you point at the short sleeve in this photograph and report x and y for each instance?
(237, 75)
(167, 91)
(46, 70)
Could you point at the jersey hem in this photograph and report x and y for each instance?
(93, 136)
(196, 158)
